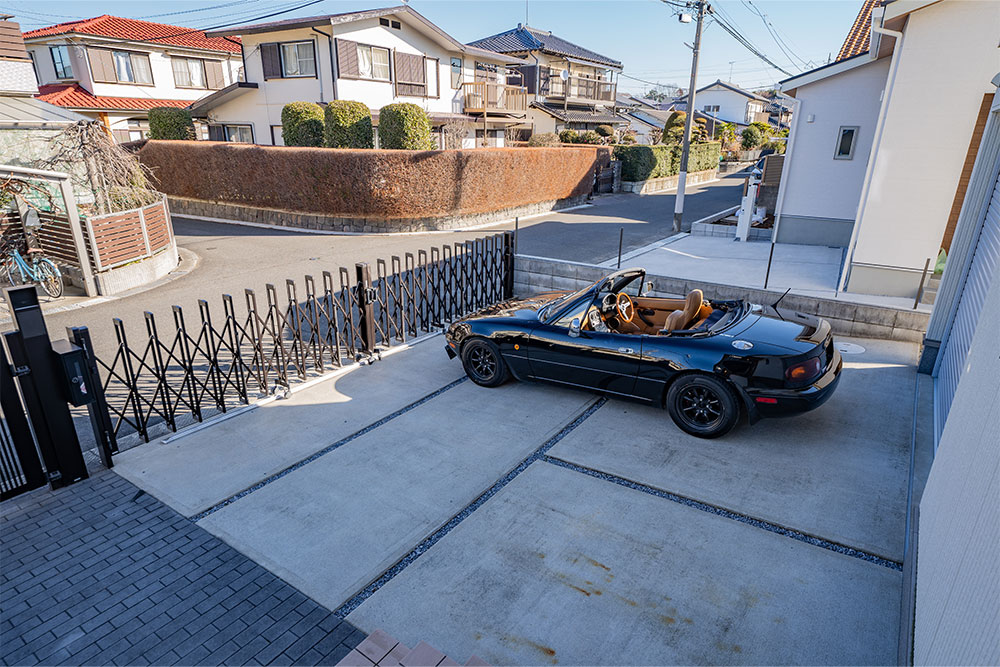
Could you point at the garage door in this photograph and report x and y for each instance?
(955, 347)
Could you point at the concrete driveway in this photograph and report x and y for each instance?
(536, 525)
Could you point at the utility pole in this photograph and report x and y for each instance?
(686, 148)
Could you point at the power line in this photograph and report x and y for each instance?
(197, 9)
(791, 55)
(231, 23)
(735, 33)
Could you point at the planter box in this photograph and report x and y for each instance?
(715, 229)
(668, 182)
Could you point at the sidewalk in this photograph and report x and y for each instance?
(102, 573)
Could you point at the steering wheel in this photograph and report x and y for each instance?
(626, 309)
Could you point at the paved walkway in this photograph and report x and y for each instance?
(102, 573)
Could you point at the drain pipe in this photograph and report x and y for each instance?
(333, 61)
(876, 140)
(319, 74)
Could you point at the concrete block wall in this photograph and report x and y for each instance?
(139, 273)
(533, 275)
(668, 182)
(712, 229)
(266, 216)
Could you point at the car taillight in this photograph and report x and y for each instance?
(804, 370)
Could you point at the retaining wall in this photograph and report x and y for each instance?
(533, 275)
(668, 182)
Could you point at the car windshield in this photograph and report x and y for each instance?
(556, 305)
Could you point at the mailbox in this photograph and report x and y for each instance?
(73, 364)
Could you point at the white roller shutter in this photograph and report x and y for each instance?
(955, 348)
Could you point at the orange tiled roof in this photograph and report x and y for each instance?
(138, 31)
(857, 38)
(74, 96)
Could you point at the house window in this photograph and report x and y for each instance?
(132, 67)
(373, 62)
(847, 137)
(189, 72)
(456, 73)
(60, 60)
(711, 108)
(395, 25)
(137, 129)
(298, 59)
(486, 71)
(238, 133)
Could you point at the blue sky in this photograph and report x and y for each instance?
(643, 34)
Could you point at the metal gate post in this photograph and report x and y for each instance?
(366, 310)
(100, 418)
(508, 265)
(42, 386)
(20, 432)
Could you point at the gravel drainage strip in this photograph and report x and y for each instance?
(326, 450)
(729, 514)
(400, 565)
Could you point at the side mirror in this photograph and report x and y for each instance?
(647, 288)
(574, 327)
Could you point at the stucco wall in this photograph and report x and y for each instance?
(818, 186)
(958, 585)
(732, 105)
(948, 57)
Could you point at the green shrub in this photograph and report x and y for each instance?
(170, 123)
(590, 137)
(640, 163)
(569, 137)
(605, 130)
(752, 138)
(544, 139)
(404, 126)
(776, 146)
(302, 124)
(348, 124)
(628, 138)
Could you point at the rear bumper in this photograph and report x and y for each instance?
(787, 402)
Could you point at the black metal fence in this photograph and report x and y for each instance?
(196, 368)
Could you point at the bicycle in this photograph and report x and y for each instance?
(41, 270)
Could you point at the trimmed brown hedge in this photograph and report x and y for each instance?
(384, 184)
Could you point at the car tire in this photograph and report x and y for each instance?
(704, 406)
(483, 363)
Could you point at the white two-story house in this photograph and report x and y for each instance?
(728, 103)
(115, 69)
(570, 87)
(376, 57)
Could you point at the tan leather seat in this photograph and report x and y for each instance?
(681, 319)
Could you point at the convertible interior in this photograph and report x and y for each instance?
(648, 315)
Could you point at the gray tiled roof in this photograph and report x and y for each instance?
(578, 115)
(523, 38)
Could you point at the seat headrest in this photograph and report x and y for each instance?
(675, 321)
(693, 304)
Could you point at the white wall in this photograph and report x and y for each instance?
(732, 105)
(958, 568)
(263, 107)
(949, 55)
(163, 87)
(816, 185)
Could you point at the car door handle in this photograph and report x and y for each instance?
(626, 350)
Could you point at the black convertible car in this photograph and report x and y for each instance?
(710, 363)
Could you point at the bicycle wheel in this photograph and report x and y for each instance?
(49, 277)
(12, 272)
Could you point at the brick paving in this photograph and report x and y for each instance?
(101, 573)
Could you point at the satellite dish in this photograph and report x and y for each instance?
(564, 75)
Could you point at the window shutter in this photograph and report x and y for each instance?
(347, 58)
(102, 66)
(271, 60)
(411, 74)
(213, 73)
(216, 133)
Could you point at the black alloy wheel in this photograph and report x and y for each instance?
(483, 363)
(702, 406)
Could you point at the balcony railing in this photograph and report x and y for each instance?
(484, 96)
(581, 88)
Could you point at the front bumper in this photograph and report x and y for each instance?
(787, 402)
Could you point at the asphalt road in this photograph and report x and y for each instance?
(233, 257)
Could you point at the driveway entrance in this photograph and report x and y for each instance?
(531, 524)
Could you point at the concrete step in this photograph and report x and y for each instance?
(382, 649)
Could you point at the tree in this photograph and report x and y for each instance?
(170, 123)
(726, 133)
(302, 124)
(673, 128)
(752, 138)
(348, 125)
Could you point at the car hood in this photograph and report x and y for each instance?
(796, 332)
(523, 308)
